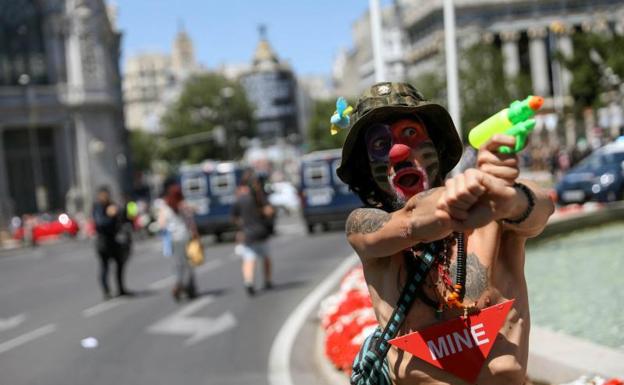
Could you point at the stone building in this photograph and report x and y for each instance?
(354, 69)
(270, 85)
(61, 112)
(527, 32)
(152, 81)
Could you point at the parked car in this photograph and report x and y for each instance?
(324, 197)
(36, 228)
(599, 177)
(284, 197)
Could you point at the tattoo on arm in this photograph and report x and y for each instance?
(424, 194)
(365, 221)
(476, 276)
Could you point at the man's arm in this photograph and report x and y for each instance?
(534, 224)
(505, 167)
(374, 233)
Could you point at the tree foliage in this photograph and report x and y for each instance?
(484, 88)
(319, 136)
(142, 145)
(593, 64)
(209, 104)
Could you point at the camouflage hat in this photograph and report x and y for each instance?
(384, 102)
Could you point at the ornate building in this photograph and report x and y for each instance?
(353, 70)
(271, 87)
(61, 118)
(528, 33)
(152, 81)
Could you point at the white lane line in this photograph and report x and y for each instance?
(279, 357)
(24, 338)
(102, 307)
(12, 322)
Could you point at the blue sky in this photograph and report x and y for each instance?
(306, 33)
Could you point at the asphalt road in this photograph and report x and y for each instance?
(50, 306)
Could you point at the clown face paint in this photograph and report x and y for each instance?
(402, 158)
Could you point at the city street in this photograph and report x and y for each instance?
(56, 330)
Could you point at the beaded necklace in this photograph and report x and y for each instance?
(453, 297)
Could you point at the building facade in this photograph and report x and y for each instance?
(152, 81)
(354, 69)
(271, 87)
(61, 113)
(529, 35)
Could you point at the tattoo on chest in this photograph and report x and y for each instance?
(476, 276)
(365, 221)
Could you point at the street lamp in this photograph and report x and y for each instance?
(226, 94)
(41, 194)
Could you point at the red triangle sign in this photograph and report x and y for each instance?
(458, 346)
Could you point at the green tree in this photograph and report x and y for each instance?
(142, 145)
(207, 121)
(319, 136)
(595, 57)
(483, 87)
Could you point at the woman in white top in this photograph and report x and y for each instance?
(176, 220)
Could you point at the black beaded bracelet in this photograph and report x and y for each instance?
(530, 198)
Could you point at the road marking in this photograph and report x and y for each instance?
(197, 328)
(10, 323)
(24, 338)
(102, 307)
(279, 365)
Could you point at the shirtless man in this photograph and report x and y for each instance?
(396, 156)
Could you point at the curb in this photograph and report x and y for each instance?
(328, 372)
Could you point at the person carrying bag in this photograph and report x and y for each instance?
(181, 241)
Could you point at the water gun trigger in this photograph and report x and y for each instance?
(521, 131)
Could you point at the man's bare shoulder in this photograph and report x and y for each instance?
(366, 220)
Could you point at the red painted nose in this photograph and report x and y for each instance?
(399, 152)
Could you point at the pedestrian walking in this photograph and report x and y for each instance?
(106, 215)
(178, 229)
(254, 216)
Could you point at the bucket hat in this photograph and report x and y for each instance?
(384, 102)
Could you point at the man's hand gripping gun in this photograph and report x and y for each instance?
(514, 120)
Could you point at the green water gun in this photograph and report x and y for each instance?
(514, 120)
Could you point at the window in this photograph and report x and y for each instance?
(316, 174)
(21, 43)
(194, 186)
(222, 184)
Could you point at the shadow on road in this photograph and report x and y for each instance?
(214, 292)
(286, 285)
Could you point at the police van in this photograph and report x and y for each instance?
(210, 188)
(324, 197)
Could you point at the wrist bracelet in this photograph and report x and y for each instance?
(530, 198)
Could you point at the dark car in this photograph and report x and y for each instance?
(599, 177)
(324, 197)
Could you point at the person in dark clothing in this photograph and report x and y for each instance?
(253, 215)
(106, 216)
